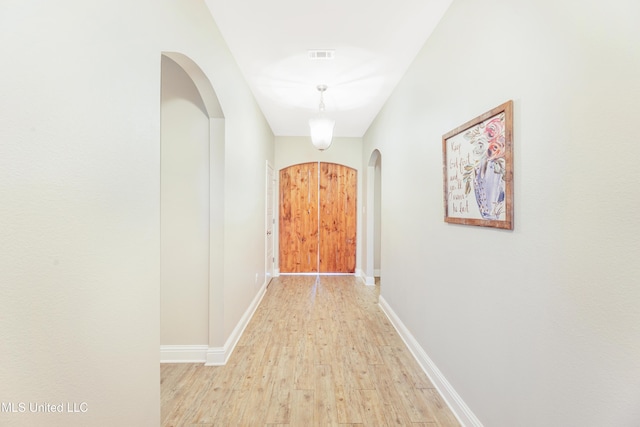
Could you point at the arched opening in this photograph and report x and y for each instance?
(192, 212)
(373, 211)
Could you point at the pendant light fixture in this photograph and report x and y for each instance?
(321, 126)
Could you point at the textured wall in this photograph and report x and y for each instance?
(80, 200)
(539, 325)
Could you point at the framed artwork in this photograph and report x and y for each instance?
(478, 170)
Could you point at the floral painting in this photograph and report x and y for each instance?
(478, 170)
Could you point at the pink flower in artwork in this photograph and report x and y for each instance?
(494, 130)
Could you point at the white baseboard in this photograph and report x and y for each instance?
(217, 356)
(369, 281)
(446, 390)
(361, 275)
(183, 353)
(376, 272)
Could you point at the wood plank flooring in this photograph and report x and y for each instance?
(317, 352)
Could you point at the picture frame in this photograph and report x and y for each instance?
(478, 170)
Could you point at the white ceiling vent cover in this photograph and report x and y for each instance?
(322, 54)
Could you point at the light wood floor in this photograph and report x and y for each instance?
(318, 351)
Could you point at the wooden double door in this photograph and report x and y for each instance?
(318, 218)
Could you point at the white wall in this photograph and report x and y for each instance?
(291, 150)
(184, 214)
(80, 191)
(539, 325)
(249, 145)
(346, 151)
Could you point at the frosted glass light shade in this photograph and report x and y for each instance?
(321, 131)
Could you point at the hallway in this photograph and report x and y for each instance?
(318, 351)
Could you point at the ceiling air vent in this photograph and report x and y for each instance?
(321, 54)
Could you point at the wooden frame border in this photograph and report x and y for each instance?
(478, 170)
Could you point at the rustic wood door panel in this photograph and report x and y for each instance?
(299, 218)
(337, 238)
(318, 218)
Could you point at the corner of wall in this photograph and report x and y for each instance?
(369, 281)
(217, 356)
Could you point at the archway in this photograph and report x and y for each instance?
(373, 210)
(192, 212)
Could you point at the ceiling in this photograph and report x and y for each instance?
(374, 42)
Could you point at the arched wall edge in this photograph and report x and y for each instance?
(369, 274)
(202, 82)
(217, 351)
